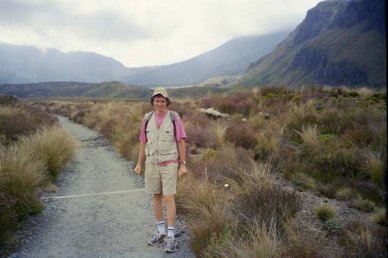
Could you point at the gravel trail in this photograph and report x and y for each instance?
(101, 209)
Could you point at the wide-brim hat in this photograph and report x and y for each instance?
(160, 91)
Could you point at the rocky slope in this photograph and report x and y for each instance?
(338, 43)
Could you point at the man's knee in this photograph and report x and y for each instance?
(169, 198)
(158, 197)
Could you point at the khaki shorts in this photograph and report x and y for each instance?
(161, 179)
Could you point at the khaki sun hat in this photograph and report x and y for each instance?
(160, 90)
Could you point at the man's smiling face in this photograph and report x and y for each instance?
(160, 104)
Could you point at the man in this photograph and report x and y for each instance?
(162, 145)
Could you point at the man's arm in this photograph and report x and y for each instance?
(140, 160)
(182, 157)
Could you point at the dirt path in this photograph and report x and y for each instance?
(102, 210)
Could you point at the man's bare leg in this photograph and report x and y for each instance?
(158, 206)
(171, 211)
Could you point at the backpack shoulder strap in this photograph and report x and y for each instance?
(147, 119)
(173, 114)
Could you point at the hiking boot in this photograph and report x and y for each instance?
(156, 239)
(171, 245)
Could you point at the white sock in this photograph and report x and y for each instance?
(171, 232)
(161, 229)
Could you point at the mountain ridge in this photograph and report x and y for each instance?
(338, 43)
(27, 64)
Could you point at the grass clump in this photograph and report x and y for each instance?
(53, 146)
(344, 193)
(380, 217)
(219, 130)
(21, 175)
(325, 212)
(362, 204)
(28, 154)
(304, 181)
(374, 168)
(361, 240)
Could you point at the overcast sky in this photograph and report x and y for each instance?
(144, 32)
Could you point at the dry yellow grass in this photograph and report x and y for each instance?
(52, 145)
(21, 174)
(219, 129)
(309, 136)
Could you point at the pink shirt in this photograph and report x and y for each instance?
(179, 135)
(180, 131)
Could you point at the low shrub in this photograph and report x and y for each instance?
(241, 134)
(15, 122)
(7, 100)
(226, 163)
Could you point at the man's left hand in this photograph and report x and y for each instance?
(182, 170)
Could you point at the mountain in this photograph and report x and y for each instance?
(230, 58)
(25, 64)
(338, 43)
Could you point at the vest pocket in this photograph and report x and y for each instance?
(167, 136)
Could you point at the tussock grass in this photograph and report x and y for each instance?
(266, 145)
(33, 150)
(301, 242)
(21, 174)
(325, 212)
(309, 136)
(362, 204)
(344, 193)
(219, 130)
(258, 197)
(304, 181)
(374, 168)
(361, 240)
(220, 218)
(53, 146)
(262, 241)
(208, 211)
(380, 217)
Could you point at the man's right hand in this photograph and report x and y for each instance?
(137, 169)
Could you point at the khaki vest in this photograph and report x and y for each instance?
(161, 143)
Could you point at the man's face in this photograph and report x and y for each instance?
(160, 104)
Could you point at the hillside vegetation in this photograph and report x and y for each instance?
(33, 150)
(328, 141)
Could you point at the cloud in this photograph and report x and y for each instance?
(144, 32)
(45, 18)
